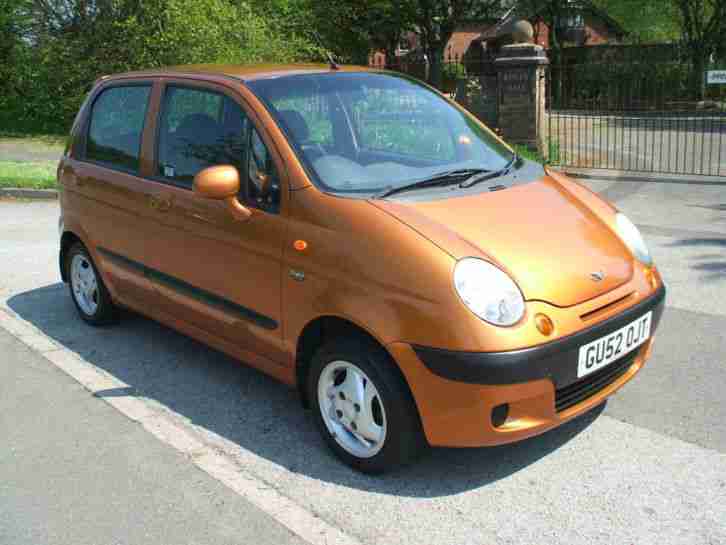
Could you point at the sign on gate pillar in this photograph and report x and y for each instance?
(521, 77)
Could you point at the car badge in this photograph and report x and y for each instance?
(597, 276)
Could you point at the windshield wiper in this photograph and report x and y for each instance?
(481, 177)
(442, 178)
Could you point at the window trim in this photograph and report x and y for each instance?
(86, 125)
(248, 201)
(247, 110)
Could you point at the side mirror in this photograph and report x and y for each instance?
(221, 183)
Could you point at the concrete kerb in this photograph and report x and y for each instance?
(303, 523)
(34, 194)
(628, 176)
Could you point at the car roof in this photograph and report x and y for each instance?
(244, 72)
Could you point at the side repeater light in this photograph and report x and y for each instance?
(544, 324)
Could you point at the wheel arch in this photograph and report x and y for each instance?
(68, 239)
(323, 328)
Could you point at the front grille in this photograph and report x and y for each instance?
(606, 308)
(590, 385)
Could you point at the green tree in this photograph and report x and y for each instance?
(355, 27)
(14, 22)
(646, 21)
(352, 28)
(67, 44)
(436, 20)
(702, 24)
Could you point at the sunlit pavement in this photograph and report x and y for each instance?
(650, 467)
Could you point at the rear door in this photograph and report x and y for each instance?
(214, 271)
(106, 189)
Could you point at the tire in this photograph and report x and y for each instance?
(335, 370)
(89, 293)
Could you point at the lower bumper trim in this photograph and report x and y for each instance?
(556, 360)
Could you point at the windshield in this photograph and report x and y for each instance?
(364, 132)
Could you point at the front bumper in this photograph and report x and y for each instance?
(456, 391)
(556, 361)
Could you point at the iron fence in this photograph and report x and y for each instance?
(635, 117)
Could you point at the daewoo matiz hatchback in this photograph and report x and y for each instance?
(357, 235)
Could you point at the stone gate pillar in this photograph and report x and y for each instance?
(521, 75)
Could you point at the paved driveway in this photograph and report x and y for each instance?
(649, 467)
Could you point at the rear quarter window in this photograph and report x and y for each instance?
(115, 127)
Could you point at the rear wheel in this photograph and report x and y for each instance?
(89, 293)
(362, 407)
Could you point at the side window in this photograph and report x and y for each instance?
(263, 185)
(117, 121)
(199, 129)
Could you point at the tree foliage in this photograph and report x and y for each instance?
(436, 20)
(646, 21)
(380, 24)
(68, 44)
(52, 50)
(702, 24)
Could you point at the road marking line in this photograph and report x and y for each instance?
(301, 522)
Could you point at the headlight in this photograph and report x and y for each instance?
(488, 292)
(633, 239)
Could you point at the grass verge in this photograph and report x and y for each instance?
(554, 155)
(36, 175)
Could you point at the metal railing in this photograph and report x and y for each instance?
(635, 117)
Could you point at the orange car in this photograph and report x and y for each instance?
(355, 234)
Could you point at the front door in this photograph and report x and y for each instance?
(215, 272)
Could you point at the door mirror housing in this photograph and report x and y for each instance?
(218, 182)
(221, 183)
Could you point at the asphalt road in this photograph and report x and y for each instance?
(649, 467)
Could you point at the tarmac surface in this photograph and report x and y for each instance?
(648, 467)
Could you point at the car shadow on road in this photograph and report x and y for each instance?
(244, 406)
(714, 264)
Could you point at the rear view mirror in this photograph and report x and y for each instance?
(221, 182)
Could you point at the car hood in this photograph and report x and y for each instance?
(545, 237)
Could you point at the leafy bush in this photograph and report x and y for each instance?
(450, 73)
(54, 65)
(619, 86)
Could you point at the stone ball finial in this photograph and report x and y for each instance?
(522, 32)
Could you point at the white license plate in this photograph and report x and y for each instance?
(607, 349)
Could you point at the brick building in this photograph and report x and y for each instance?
(583, 25)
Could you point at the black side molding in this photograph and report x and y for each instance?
(203, 296)
(556, 360)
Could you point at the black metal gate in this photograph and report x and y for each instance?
(634, 117)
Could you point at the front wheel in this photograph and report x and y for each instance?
(362, 407)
